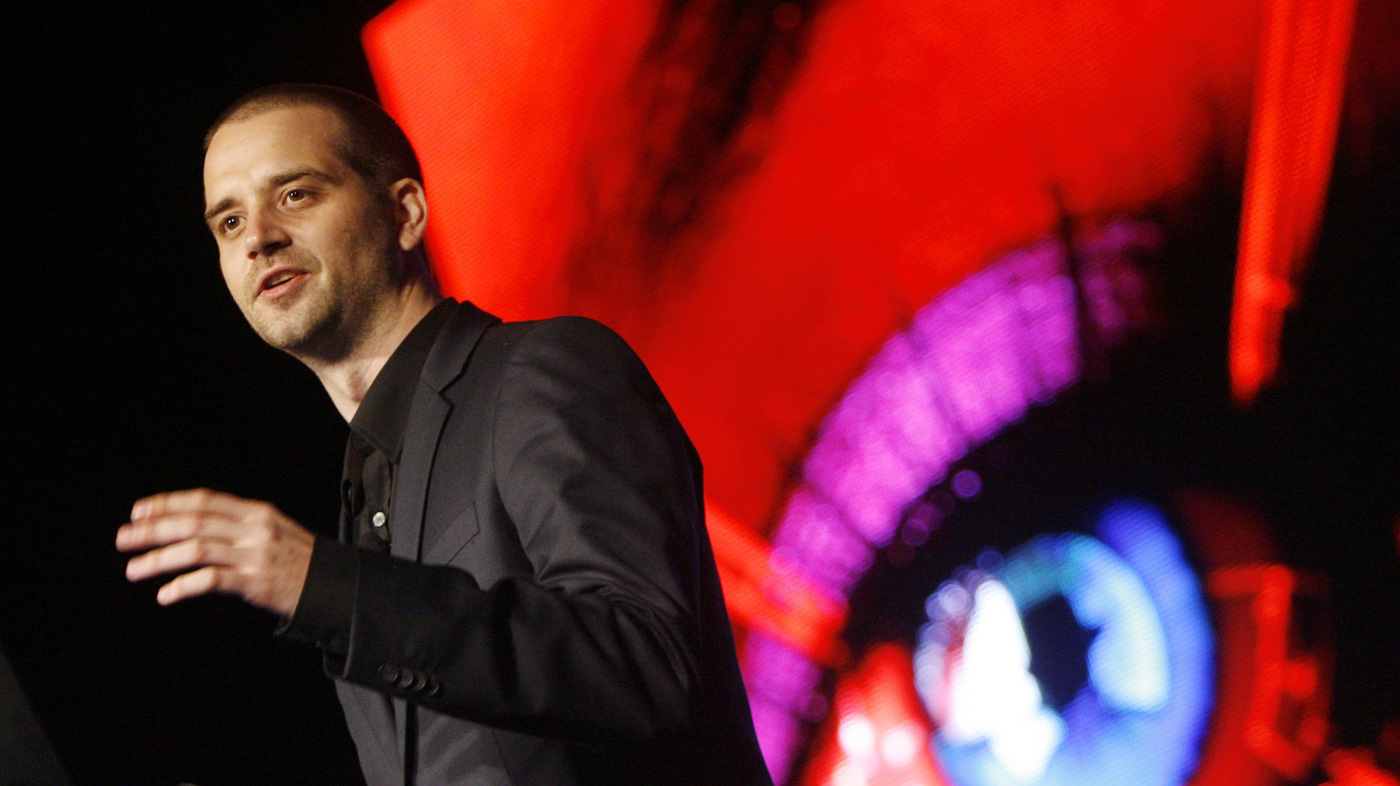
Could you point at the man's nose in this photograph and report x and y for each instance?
(264, 234)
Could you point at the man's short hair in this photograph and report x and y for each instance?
(373, 145)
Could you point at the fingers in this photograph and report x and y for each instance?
(183, 555)
(194, 501)
(167, 518)
(200, 582)
(229, 544)
(172, 528)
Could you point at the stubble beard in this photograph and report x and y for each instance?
(328, 318)
(299, 324)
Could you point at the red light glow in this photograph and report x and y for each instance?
(914, 143)
(765, 592)
(1286, 723)
(878, 735)
(1297, 104)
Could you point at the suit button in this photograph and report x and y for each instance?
(406, 677)
(419, 682)
(434, 687)
(388, 673)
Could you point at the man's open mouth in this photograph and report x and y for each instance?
(275, 282)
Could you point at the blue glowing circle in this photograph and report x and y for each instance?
(1142, 715)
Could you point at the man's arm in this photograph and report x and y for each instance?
(596, 480)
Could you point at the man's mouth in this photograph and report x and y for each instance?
(278, 282)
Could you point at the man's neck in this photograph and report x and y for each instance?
(349, 377)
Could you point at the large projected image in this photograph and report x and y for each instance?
(895, 264)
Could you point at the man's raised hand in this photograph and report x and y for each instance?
(234, 545)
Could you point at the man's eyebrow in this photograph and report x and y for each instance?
(283, 178)
(279, 179)
(224, 204)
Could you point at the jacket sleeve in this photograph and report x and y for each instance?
(600, 643)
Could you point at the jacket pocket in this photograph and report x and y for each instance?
(458, 534)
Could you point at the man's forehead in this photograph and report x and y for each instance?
(258, 148)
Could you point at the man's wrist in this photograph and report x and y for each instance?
(327, 603)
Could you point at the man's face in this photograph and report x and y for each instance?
(307, 247)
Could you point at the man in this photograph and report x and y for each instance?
(523, 590)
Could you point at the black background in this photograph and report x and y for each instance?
(128, 371)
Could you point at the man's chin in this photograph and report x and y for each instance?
(289, 333)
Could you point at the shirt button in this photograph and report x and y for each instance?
(379, 519)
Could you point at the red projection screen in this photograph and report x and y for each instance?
(817, 222)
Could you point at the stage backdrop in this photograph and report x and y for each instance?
(879, 254)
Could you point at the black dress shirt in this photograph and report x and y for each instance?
(324, 611)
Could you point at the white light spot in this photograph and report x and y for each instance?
(848, 774)
(857, 736)
(898, 745)
(954, 600)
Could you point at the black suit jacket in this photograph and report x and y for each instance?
(550, 612)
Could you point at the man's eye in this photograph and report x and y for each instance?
(229, 223)
(296, 195)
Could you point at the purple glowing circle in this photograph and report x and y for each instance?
(967, 484)
(970, 363)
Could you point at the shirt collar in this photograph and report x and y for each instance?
(383, 413)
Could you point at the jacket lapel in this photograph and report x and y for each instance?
(427, 416)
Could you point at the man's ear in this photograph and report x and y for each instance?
(410, 212)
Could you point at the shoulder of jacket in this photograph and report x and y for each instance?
(583, 332)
